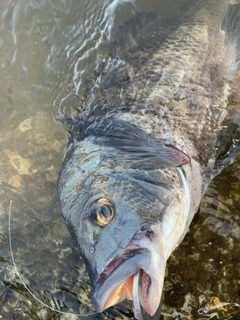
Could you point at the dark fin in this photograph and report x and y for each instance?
(112, 69)
(126, 35)
(231, 25)
(135, 148)
(228, 145)
(123, 38)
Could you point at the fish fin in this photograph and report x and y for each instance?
(231, 25)
(123, 38)
(126, 35)
(112, 69)
(228, 145)
(134, 147)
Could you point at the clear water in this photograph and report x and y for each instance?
(49, 49)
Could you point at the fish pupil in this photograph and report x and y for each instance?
(105, 211)
(101, 214)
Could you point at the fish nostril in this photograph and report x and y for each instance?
(91, 250)
(149, 233)
(143, 228)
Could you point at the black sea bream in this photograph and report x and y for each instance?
(147, 144)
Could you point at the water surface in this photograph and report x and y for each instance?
(49, 51)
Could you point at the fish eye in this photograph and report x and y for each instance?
(102, 212)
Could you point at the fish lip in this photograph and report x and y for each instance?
(140, 259)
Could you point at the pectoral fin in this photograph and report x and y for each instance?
(133, 146)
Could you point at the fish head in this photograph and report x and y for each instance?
(123, 220)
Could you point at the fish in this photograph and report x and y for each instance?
(147, 142)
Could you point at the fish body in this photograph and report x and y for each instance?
(146, 145)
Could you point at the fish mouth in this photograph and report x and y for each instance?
(115, 283)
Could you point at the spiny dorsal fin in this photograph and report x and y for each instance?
(126, 35)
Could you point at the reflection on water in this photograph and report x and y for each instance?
(49, 50)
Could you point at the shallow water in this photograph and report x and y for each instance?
(49, 50)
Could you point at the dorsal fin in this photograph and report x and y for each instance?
(127, 34)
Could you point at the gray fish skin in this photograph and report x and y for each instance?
(144, 148)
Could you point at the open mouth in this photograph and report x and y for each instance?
(116, 281)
